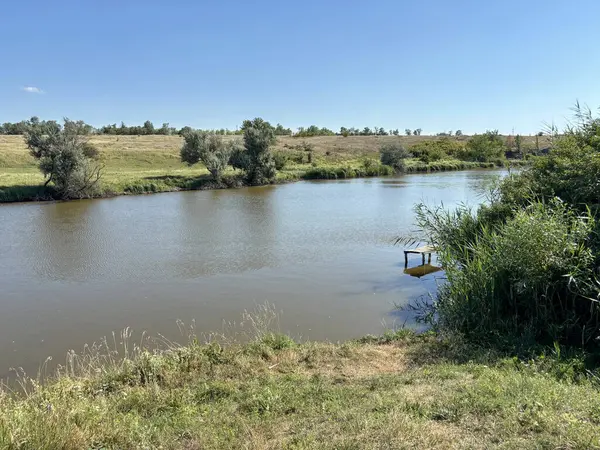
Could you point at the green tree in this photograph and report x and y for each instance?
(280, 131)
(65, 157)
(165, 130)
(417, 132)
(23, 126)
(312, 130)
(258, 137)
(239, 158)
(85, 128)
(408, 131)
(209, 148)
(185, 130)
(109, 129)
(458, 133)
(148, 127)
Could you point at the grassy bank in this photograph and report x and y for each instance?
(397, 391)
(146, 164)
(415, 165)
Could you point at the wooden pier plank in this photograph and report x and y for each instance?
(424, 250)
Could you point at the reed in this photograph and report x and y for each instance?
(523, 269)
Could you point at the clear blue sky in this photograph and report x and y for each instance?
(435, 64)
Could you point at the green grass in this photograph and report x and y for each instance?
(148, 164)
(415, 165)
(335, 172)
(395, 391)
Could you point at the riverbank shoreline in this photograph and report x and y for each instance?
(396, 390)
(231, 180)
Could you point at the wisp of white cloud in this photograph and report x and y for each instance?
(33, 90)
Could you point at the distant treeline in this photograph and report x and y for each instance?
(148, 128)
(165, 129)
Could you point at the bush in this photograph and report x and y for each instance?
(431, 155)
(434, 150)
(529, 277)
(90, 151)
(369, 163)
(297, 157)
(239, 158)
(211, 149)
(394, 155)
(333, 173)
(280, 159)
(65, 157)
(524, 269)
(484, 147)
(571, 172)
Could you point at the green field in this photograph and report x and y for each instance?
(138, 164)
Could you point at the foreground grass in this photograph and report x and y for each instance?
(146, 164)
(399, 391)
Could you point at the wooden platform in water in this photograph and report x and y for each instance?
(424, 250)
(419, 250)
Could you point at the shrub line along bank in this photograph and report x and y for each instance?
(175, 183)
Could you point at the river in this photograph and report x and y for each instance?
(320, 252)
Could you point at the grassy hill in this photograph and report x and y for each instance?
(135, 164)
(162, 152)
